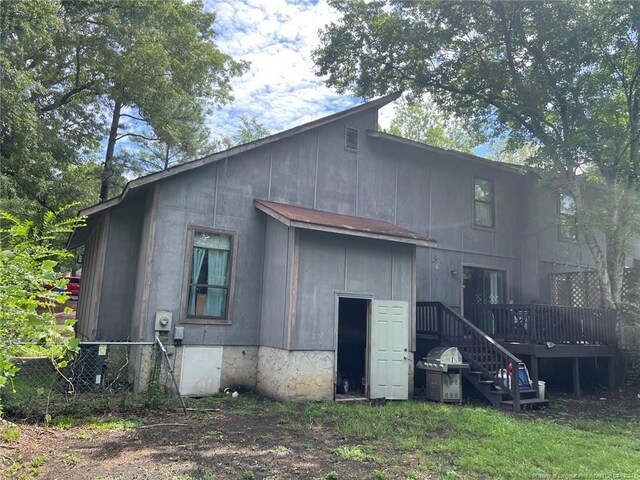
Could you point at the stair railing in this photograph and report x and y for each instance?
(478, 349)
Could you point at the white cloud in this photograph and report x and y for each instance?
(281, 89)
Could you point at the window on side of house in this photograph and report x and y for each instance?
(210, 275)
(483, 203)
(568, 225)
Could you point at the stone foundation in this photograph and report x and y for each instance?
(297, 376)
(283, 375)
(239, 367)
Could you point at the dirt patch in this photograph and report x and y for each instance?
(620, 405)
(256, 439)
(223, 445)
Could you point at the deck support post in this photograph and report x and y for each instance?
(576, 377)
(611, 364)
(535, 375)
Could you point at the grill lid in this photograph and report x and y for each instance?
(444, 355)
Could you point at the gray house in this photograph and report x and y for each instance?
(332, 253)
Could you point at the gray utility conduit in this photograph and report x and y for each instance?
(170, 368)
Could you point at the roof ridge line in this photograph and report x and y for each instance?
(214, 157)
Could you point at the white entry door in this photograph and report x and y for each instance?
(388, 360)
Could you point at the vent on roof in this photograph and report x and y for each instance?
(351, 139)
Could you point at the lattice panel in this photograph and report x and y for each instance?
(576, 289)
(581, 289)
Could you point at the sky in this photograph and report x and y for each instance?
(277, 37)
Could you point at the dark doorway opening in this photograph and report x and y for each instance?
(351, 372)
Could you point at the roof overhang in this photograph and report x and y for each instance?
(308, 219)
(139, 182)
(449, 154)
(224, 155)
(80, 235)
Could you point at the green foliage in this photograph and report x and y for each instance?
(161, 69)
(249, 130)
(248, 475)
(11, 434)
(422, 121)
(28, 291)
(104, 424)
(66, 64)
(469, 442)
(355, 452)
(557, 79)
(62, 422)
(47, 125)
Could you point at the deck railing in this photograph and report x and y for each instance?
(534, 323)
(477, 348)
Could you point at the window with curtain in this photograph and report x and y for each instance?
(210, 275)
(483, 203)
(568, 225)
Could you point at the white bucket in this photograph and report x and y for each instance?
(541, 388)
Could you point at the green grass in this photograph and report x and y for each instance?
(415, 439)
(104, 424)
(10, 434)
(355, 452)
(41, 396)
(468, 442)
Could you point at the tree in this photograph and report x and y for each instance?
(422, 121)
(79, 76)
(47, 124)
(28, 259)
(187, 141)
(562, 77)
(249, 130)
(158, 65)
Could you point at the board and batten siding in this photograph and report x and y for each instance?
(329, 264)
(120, 269)
(423, 191)
(88, 311)
(276, 279)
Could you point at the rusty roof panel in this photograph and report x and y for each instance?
(300, 216)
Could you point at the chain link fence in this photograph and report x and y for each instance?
(101, 376)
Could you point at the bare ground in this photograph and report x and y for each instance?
(235, 442)
(223, 444)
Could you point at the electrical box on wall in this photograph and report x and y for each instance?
(163, 320)
(178, 334)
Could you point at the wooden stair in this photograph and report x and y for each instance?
(498, 396)
(486, 357)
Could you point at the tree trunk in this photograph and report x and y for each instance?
(616, 245)
(107, 169)
(166, 156)
(599, 256)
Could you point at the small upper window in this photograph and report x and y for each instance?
(568, 225)
(210, 275)
(351, 139)
(483, 203)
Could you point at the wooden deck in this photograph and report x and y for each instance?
(546, 324)
(531, 330)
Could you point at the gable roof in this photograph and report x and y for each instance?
(79, 235)
(154, 177)
(308, 219)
